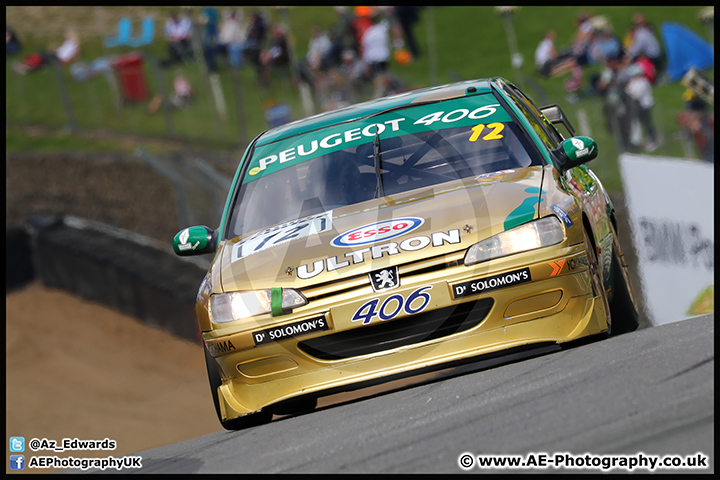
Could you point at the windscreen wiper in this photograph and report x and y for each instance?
(379, 189)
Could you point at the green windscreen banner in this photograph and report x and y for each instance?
(475, 112)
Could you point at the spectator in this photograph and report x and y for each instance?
(344, 29)
(376, 45)
(604, 44)
(697, 118)
(333, 57)
(339, 92)
(312, 65)
(319, 47)
(182, 91)
(546, 55)
(550, 62)
(276, 55)
(648, 67)
(583, 38)
(361, 21)
(387, 84)
(178, 31)
(571, 61)
(593, 43)
(407, 16)
(640, 91)
(232, 37)
(181, 97)
(68, 51)
(611, 86)
(210, 19)
(12, 42)
(256, 33)
(354, 69)
(643, 42)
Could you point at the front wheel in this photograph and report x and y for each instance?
(246, 421)
(623, 306)
(596, 279)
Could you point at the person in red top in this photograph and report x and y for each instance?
(360, 23)
(648, 67)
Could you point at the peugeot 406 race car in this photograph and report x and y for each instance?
(403, 234)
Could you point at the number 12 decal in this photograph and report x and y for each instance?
(493, 135)
(392, 306)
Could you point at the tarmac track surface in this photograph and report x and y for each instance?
(649, 391)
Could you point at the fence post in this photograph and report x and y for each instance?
(432, 45)
(165, 103)
(583, 122)
(100, 23)
(610, 111)
(305, 94)
(71, 126)
(181, 204)
(239, 110)
(200, 59)
(516, 58)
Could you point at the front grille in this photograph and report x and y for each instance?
(407, 271)
(406, 331)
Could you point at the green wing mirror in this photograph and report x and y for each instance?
(194, 241)
(575, 151)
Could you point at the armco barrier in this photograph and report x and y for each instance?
(119, 269)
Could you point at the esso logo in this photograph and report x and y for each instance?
(377, 232)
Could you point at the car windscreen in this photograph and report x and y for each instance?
(386, 154)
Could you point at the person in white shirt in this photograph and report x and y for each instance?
(376, 45)
(66, 53)
(232, 37)
(545, 53)
(319, 47)
(639, 89)
(178, 31)
(644, 41)
(551, 63)
(69, 49)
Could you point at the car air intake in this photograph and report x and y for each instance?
(405, 331)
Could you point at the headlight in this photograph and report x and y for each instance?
(529, 236)
(228, 307)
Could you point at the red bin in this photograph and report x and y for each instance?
(130, 73)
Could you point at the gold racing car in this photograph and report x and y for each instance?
(400, 235)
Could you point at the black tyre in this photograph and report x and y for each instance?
(596, 278)
(251, 420)
(295, 407)
(623, 305)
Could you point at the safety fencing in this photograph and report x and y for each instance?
(131, 94)
(151, 194)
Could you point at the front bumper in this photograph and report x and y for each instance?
(556, 305)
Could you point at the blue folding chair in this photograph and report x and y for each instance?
(147, 35)
(123, 36)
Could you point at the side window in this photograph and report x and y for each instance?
(545, 131)
(554, 135)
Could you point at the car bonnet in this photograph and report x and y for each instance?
(378, 233)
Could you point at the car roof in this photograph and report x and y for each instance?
(372, 107)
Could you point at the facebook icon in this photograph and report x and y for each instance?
(17, 462)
